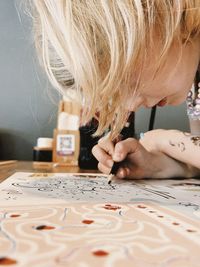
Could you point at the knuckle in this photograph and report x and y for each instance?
(103, 159)
(103, 168)
(101, 155)
(120, 146)
(94, 149)
(131, 140)
(100, 140)
(103, 140)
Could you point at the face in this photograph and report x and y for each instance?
(173, 81)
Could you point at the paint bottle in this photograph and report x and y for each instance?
(66, 144)
(43, 150)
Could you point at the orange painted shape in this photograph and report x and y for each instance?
(45, 227)
(191, 231)
(175, 223)
(7, 261)
(100, 253)
(87, 221)
(111, 207)
(14, 215)
(141, 206)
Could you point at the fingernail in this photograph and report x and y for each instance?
(120, 173)
(117, 157)
(127, 170)
(110, 163)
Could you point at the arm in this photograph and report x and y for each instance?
(181, 146)
(137, 162)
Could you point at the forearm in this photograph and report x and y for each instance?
(181, 146)
(170, 168)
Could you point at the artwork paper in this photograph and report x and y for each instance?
(183, 195)
(97, 234)
(78, 220)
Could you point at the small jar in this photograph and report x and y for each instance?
(43, 150)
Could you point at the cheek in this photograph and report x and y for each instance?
(177, 99)
(179, 87)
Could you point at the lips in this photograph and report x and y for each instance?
(162, 102)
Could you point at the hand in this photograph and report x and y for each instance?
(137, 162)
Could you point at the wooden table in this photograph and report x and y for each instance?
(29, 166)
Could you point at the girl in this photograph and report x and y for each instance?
(122, 55)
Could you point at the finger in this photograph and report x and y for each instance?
(123, 173)
(126, 173)
(103, 168)
(106, 144)
(123, 148)
(117, 139)
(102, 156)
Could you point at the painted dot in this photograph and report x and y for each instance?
(141, 207)
(111, 207)
(100, 253)
(152, 211)
(191, 231)
(7, 261)
(87, 221)
(45, 227)
(175, 223)
(14, 215)
(160, 216)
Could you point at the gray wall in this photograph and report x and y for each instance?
(166, 118)
(28, 107)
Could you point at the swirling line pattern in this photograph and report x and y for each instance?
(98, 234)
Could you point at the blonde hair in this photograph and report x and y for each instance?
(95, 46)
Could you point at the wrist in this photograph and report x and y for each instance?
(154, 141)
(162, 140)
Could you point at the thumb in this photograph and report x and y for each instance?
(125, 147)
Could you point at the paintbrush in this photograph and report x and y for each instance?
(127, 131)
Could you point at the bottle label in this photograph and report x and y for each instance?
(65, 144)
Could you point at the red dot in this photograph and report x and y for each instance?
(111, 207)
(191, 231)
(100, 253)
(175, 223)
(14, 215)
(7, 261)
(141, 207)
(87, 221)
(45, 227)
(160, 216)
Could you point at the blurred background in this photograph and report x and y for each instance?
(28, 103)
